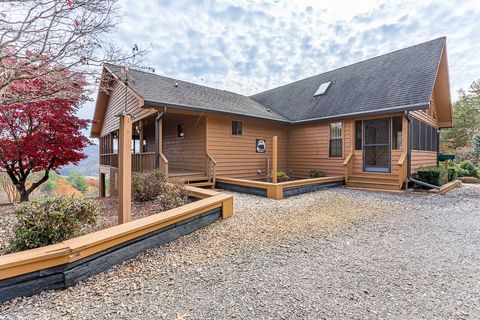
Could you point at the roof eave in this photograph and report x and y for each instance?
(201, 109)
(409, 107)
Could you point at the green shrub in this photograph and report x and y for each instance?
(147, 186)
(433, 175)
(453, 170)
(51, 220)
(173, 195)
(316, 174)
(77, 181)
(469, 168)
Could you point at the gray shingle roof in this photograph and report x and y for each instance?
(399, 80)
(160, 90)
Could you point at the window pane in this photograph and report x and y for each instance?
(358, 135)
(237, 128)
(376, 131)
(422, 136)
(416, 135)
(397, 133)
(335, 145)
(377, 156)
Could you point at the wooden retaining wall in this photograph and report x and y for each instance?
(278, 190)
(62, 265)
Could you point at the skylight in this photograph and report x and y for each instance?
(322, 89)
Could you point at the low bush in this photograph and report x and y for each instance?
(433, 175)
(468, 168)
(147, 186)
(51, 220)
(173, 195)
(453, 170)
(316, 174)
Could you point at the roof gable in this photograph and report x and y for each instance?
(392, 82)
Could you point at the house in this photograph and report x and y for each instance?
(370, 124)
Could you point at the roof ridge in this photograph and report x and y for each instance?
(347, 66)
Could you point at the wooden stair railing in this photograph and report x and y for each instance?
(163, 164)
(211, 169)
(402, 170)
(348, 164)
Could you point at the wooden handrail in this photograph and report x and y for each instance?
(214, 171)
(348, 166)
(402, 171)
(164, 160)
(348, 158)
(402, 158)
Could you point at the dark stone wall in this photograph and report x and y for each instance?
(242, 189)
(287, 192)
(67, 275)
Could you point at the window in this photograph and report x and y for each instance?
(237, 128)
(336, 144)
(322, 89)
(358, 135)
(180, 132)
(135, 144)
(397, 133)
(424, 137)
(115, 143)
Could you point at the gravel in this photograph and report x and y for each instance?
(335, 253)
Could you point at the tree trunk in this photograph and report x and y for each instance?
(24, 194)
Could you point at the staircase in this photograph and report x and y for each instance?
(374, 181)
(199, 181)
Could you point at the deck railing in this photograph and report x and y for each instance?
(142, 162)
(109, 159)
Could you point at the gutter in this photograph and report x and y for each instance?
(157, 134)
(409, 107)
(409, 157)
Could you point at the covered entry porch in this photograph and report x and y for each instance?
(173, 142)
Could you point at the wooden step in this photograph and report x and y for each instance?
(378, 185)
(374, 178)
(201, 184)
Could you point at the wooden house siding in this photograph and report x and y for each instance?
(188, 152)
(422, 159)
(116, 105)
(308, 149)
(236, 156)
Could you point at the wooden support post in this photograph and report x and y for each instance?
(101, 185)
(274, 159)
(125, 169)
(446, 170)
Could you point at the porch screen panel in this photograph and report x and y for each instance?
(336, 143)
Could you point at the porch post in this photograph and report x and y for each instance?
(101, 185)
(274, 159)
(125, 169)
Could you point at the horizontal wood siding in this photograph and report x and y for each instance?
(187, 152)
(308, 149)
(116, 105)
(236, 156)
(429, 115)
(423, 159)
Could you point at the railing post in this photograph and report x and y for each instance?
(125, 169)
(274, 159)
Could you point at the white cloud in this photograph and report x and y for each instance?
(249, 46)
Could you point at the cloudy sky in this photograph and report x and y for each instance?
(250, 46)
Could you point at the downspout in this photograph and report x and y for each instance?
(157, 134)
(409, 157)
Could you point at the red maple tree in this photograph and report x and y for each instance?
(41, 136)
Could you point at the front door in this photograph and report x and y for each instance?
(376, 146)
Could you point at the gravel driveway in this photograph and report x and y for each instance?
(333, 254)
